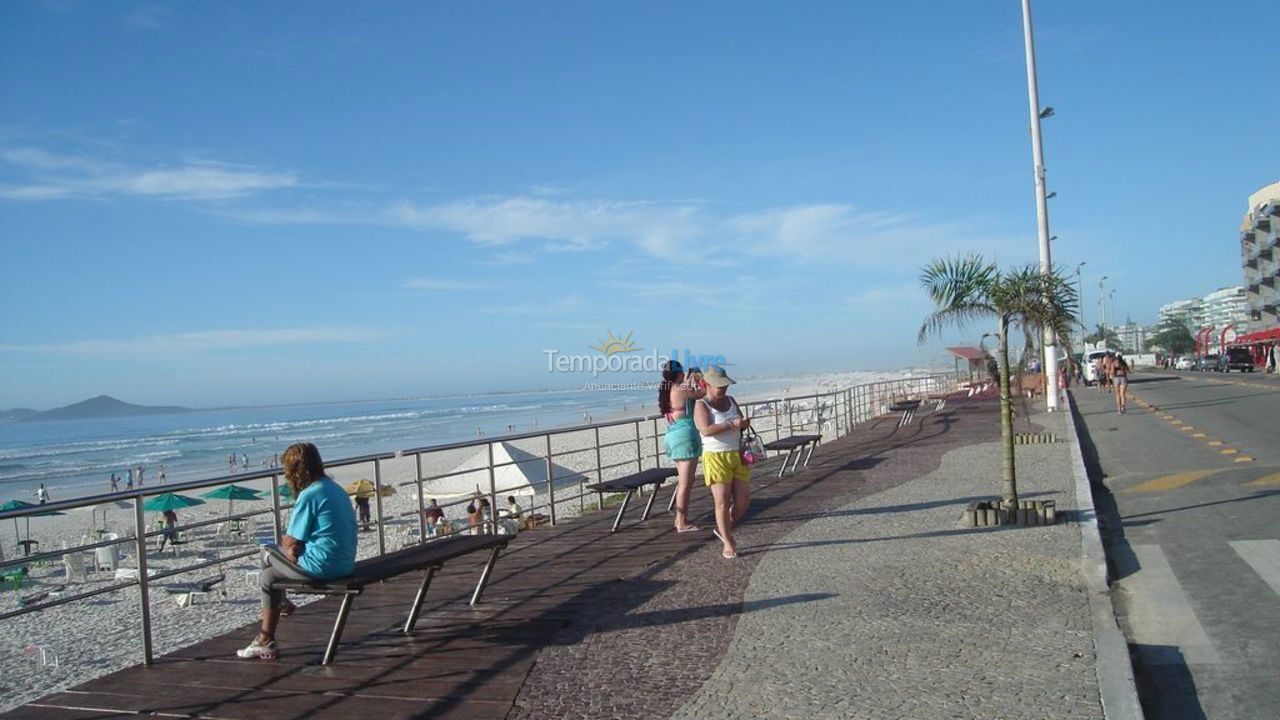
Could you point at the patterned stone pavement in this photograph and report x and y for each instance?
(858, 596)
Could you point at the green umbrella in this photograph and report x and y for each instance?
(15, 504)
(231, 493)
(170, 501)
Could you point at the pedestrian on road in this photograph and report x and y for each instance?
(1120, 377)
(721, 423)
(677, 394)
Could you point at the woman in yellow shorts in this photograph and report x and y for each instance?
(721, 423)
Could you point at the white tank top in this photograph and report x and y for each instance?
(726, 441)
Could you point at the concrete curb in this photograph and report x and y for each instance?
(1115, 670)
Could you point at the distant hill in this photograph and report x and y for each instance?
(103, 406)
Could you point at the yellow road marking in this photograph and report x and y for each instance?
(1228, 451)
(1214, 443)
(1272, 479)
(1170, 482)
(1198, 435)
(1188, 428)
(1244, 458)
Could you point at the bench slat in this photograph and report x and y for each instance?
(652, 476)
(397, 563)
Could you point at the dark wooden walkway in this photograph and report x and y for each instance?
(474, 663)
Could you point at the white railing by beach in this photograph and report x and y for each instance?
(567, 459)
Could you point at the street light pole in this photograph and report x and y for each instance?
(1042, 204)
(1102, 315)
(1080, 291)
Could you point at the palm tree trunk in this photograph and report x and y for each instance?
(1009, 494)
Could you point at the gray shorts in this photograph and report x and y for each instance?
(1121, 380)
(275, 566)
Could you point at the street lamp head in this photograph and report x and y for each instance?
(1046, 112)
(1081, 264)
(1051, 195)
(1051, 239)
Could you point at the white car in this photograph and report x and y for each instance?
(1186, 362)
(1091, 357)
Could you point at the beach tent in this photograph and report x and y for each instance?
(364, 488)
(15, 504)
(232, 493)
(514, 471)
(170, 501)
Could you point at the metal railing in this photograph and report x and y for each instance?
(559, 453)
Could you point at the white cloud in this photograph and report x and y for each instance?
(567, 304)
(442, 284)
(200, 341)
(55, 176)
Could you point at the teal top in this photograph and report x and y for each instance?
(323, 520)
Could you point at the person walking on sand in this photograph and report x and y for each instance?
(1120, 378)
(721, 423)
(677, 394)
(115, 483)
(320, 543)
(42, 494)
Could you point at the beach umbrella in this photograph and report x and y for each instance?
(364, 487)
(231, 493)
(15, 504)
(170, 501)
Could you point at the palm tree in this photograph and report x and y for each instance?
(968, 289)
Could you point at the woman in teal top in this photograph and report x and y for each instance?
(320, 543)
(676, 396)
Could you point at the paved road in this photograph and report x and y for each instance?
(1190, 522)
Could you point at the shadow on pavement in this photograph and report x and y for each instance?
(1166, 688)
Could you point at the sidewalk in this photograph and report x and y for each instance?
(858, 596)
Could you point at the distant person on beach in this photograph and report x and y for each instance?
(320, 542)
(163, 476)
(474, 519)
(362, 506)
(677, 394)
(513, 508)
(433, 513)
(721, 422)
(141, 470)
(115, 483)
(170, 534)
(128, 485)
(42, 495)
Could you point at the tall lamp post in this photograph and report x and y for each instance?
(1102, 315)
(1084, 329)
(1042, 205)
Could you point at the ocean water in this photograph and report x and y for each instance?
(77, 457)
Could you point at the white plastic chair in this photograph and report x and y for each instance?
(107, 558)
(74, 565)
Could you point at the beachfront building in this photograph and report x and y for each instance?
(1223, 307)
(1186, 311)
(1132, 336)
(1261, 259)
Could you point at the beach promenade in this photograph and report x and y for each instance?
(858, 595)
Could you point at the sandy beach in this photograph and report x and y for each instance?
(66, 645)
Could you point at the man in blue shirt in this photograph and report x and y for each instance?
(320, 543)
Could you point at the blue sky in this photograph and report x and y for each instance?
(217, 203)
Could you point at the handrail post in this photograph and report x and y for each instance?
(551, 480)
(144, 595)
(377, 503)
(639, 452)
(275, 508)
(422, 503)
(657, 454)
(493, 494)
(599, 472)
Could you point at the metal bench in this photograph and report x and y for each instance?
(629, 485)
(907, 408)
(794, 445)
(431, 557)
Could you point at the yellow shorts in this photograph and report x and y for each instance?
(723, 468)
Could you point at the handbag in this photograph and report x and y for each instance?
(750, 446)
